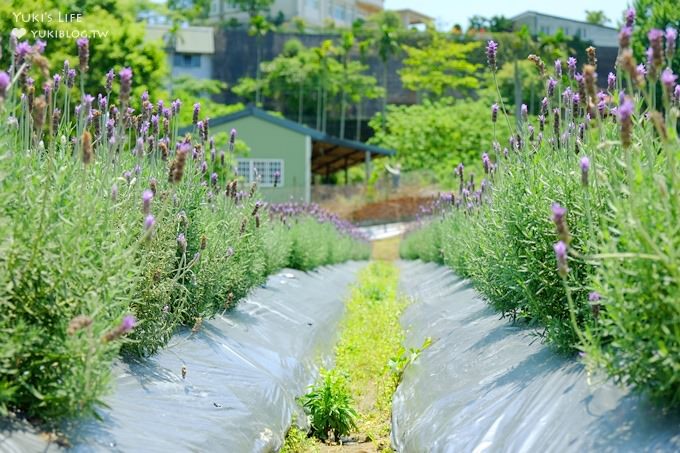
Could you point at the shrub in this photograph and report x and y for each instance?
(114, 231)
(575, 229)
(329, 405)
(435, 135)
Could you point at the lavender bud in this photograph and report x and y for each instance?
(147, 196)
(494, 113)
(83, 53)
(491, 50)
(585, 168)
(561, 256)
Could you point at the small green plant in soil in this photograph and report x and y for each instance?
(329, 405)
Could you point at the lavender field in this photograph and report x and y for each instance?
(180, 270)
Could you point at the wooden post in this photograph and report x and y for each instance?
(368, 166)
(346, 171)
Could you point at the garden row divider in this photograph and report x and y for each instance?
(244, 371)
(488, 385)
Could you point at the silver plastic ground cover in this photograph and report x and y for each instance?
(486, 385)
(244, 372)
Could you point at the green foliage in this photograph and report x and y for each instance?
(442, 67)
(436, 135)
(654, 14)
(370, 337)
(329, 405)
(597, 17)
(252, 7)
(188, 88)
(616, 300)
(119, 41)
(82, 254)
(297, 441)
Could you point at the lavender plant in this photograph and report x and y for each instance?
(115, 231)
(577, 227)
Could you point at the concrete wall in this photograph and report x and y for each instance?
(269, 141)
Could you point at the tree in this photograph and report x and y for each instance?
(252, 7)
(386, 39)
(346, 45)
(259, 27)
(597, 18)
(441, 67)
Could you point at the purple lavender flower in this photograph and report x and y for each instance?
(145, 97)
(213, 179)
(125, 84)
(147, 196)
(585, 168)
(552, 83)
(494, 112)
(571, 66)
(625, 114)
(491, 50)
(182, 242)
(71, 78)
(559, 213)
(39, 46)
(176, 104)
(197, 111)
(655, 57)
(561, 255)
(4, 84)
(641, 70)
(204, 167)
(109, 80)
(676, 93)
(114, 192)
(594, 296)
(232, 140)
(22, 49)
(611, 81)
(671, 37)
(541, 122)
(486, 162)
(128, 323)
(668, 79)
(544, 105)
(630, 17)
(524, 112)
(558, 68)
(83, 53)
(138, 170)
(149, 222)
(624, 37)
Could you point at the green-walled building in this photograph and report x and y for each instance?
(295, 151)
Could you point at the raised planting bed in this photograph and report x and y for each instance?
(488, 385)
(229, 386)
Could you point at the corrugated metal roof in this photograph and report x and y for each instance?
(196, 40)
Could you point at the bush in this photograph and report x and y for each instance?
(329, 405)
(600, 276)
(114, 232)
(435, 135)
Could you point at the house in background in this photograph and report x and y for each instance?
(296, 152)
(314, 12)
(537, 23)
(411, 18)
(190, 50)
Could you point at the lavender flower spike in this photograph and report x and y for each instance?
(4, 84)
(494, 113)
(83, 53)
(491, 50)
(128, 323)
(147, 196)
(585, 168)
(125, 84)
(611, 81)
(149, 222)
(561, 256)
(671, 38)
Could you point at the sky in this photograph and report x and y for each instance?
(450, 12)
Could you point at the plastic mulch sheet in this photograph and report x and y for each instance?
(486, 385)
(244, 371)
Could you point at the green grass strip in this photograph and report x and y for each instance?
(369, 354)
